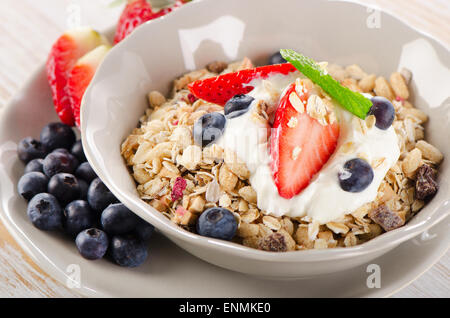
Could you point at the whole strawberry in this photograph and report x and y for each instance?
(137, 12)
(164, 11)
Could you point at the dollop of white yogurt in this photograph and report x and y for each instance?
(323, 200)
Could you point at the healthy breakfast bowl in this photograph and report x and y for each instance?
(114, 112)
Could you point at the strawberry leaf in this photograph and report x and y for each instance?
(354, 102)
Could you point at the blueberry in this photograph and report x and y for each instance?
(31, 184)
(62, 150)
(276, 58)
(128, 251)
(92, 243)
(356, 175)
(99, 197)
(57, 135)
(218, 223)
(78, 217)
(45, 212)
(85, 172)
(65, 187)
(59, 161)
(77, 151)
(209, 128)
(34, 165)
(118, 219)
(84, 186)
(237, 105)
(384, 112)
(144, 230)
(29, 149)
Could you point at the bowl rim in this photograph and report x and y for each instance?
(383, 242)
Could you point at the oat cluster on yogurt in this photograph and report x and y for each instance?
(182, 179)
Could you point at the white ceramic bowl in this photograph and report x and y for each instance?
(208, 30)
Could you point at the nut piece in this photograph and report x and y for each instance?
(337, 72)
(367, 84)
(247, 230)
(216, 67)
(302, 237)
(387, 219)
(287, 225)
(355, 72)
(197, 204)
(412, 162)
(183, 217)
(320, 244)
(156, 99)
(430, 152)
(277, 242)
(399, 85)
(351, 84)
(415, 113)
(141, 175)
(426, 185)
(382, 88)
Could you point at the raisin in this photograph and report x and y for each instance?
(274, 243)
(426, 185)
(216, 67)
(386, 218)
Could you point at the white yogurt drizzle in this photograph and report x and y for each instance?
(322, 200)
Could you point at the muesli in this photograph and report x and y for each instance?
(280, 160)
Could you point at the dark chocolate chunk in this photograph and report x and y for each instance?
(387, 219)
(426, 185)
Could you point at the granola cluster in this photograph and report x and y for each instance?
(181, 180)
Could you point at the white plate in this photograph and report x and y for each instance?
(170, 271)
(229, 30)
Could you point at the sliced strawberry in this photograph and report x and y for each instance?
(221, 88)
(81, 75)
(137, 12)
(299, 149)
(63, 56)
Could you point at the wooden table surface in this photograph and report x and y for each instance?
(27, 31)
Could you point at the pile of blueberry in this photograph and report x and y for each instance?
(64, 193)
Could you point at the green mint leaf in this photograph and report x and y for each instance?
(354, 102)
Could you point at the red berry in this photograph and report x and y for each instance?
(298, 151)
(191, 98)
(81, 75)
(64, 54)
(178, 188)
(220, 89)
(137, 12)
